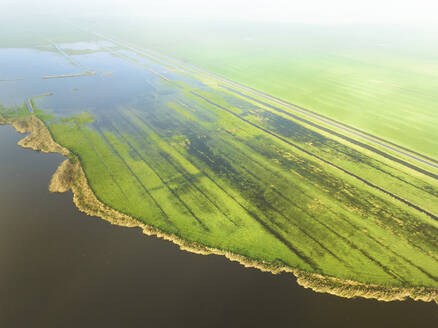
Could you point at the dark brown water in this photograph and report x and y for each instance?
(61, 268)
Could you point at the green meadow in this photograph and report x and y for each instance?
(380, 79)
(243, 179)
(193, 158)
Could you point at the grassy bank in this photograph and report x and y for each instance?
(234, 180)
(71, 176)
(380, 79)
(214, 171)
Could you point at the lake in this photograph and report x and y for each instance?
(61, 268)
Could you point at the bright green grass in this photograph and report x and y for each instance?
(188, 168)
(382, 80)
(112, 178)
(377, 169)
(14, 112)
(218, 170)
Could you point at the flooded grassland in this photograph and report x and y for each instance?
(154, 145)
(63, 268)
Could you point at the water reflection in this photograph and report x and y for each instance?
(61, 268)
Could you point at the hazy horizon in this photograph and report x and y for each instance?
(402, 12)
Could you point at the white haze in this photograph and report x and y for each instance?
(304, 11)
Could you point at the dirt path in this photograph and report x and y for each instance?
(303, 111)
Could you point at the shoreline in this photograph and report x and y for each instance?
(71, 176)
(60, 76)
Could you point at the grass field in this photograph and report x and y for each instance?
(200, 173)
(195, 159)
(191, 169)
(381, 79)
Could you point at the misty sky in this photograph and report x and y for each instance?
(308, 11)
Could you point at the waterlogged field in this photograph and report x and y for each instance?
(182, 152)
(380, 79)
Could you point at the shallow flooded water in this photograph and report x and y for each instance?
(61, 268)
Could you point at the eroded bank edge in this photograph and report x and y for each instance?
(70, 176)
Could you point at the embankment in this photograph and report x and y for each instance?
(67, 75)
(71, 176)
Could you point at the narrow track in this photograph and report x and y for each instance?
(400, 150)
(370, 184)
(339, 135)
